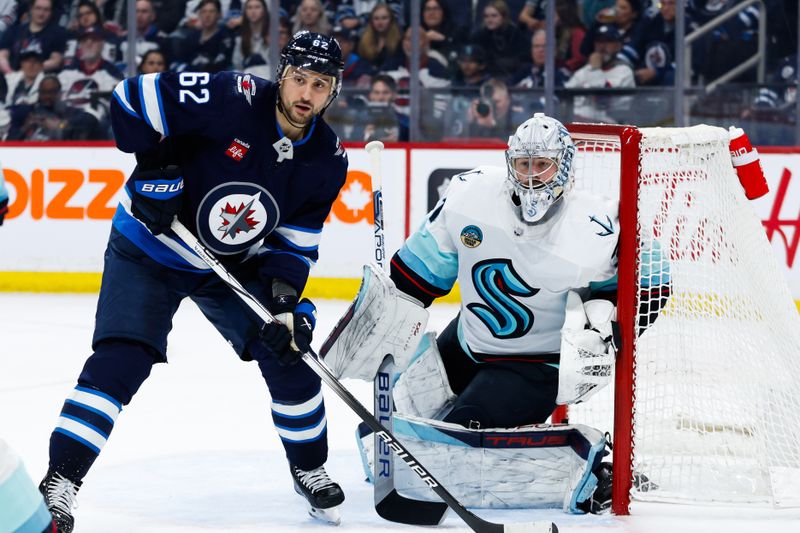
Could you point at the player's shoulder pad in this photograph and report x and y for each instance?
(329, 143)
(484, 177)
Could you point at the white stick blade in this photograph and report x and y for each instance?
(373, 145)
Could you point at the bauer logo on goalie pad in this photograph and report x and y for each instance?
(471, 236)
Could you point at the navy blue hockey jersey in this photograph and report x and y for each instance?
(248, 191)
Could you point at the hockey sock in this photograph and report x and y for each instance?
(82, 430)
(302, 427)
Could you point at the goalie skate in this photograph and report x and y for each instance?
(322, 495)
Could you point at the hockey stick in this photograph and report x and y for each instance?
(474, 522)
(389, 504)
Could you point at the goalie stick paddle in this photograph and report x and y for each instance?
(389, 504)
(476, 523)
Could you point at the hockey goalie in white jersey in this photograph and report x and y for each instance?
(532, 257)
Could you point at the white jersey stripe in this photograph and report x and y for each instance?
(151, 106)
(121, 93)
(85, 432)
(300, 237)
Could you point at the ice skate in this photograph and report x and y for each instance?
(60, 496)
(322, 495)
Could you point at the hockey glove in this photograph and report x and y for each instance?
(3, 209)
(156, 196)
(289, 337)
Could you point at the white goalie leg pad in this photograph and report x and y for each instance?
(423, 389)
(381, 321)
(587, 355)
(538, 466)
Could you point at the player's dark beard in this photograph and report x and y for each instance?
(282, 109)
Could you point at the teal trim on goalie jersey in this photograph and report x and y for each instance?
(22, 508)
(406, 428)
(422, 254)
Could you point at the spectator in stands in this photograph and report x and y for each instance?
(357, 72)
(23, 84)
(492, 116)
(207, 48)
(381, 120)
(284, 32)
(443, 36)
(595, 12)
(251, 47)
(42, 29)
(433, 66)
(153, 61)
(170, 13)
(8, 14)
(604, 70)
(88, 75)
(88, 16)
(381, 41)
(347, 18)
(625, 18)
(148, 35)
(504, 42)
(50, 119)
(729, 45)
(532, 76)
(471, 67)
(229, 9)
(532, 15)
(653, 45)
(311, 16)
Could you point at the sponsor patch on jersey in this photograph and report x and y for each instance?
(237, 150)
(235, 216)
(246, 86)
(471, 236)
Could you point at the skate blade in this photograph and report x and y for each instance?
(331, 516)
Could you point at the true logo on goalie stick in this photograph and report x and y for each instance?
(471, 236)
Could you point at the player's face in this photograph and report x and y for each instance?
(534, 172)
(304, 93)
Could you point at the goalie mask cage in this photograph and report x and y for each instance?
(705, 403)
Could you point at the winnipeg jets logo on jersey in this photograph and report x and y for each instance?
(607, 226)
(246, 86)
(235, 216)
(284, 148)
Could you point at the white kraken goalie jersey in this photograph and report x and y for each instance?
(514, 277)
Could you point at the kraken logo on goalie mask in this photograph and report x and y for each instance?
(235, 216)
(496, 281)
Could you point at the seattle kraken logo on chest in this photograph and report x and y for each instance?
(496, 281)
(236, 215)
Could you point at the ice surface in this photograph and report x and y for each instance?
(196, 452)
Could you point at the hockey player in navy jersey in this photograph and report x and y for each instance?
(251, 167)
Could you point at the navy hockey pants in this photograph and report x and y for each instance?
(495, 395)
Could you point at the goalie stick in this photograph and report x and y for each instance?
(474, 522)
(389, 504)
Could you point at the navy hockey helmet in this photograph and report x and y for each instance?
(316, 52)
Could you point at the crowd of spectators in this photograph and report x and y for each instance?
(59, 59)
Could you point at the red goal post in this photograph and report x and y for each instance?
(700, 404)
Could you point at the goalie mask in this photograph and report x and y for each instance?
(539, 160)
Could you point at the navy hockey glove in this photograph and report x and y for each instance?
(156, 196)
(289, 337)
(3, 208)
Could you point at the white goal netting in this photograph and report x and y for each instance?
(716, 403)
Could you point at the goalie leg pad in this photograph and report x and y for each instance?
(381, 321)
(423, 389)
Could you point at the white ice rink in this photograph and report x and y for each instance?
(196, 452)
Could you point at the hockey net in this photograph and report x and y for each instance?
(705, 405)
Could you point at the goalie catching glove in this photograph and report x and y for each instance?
(587, 350)
(289, 337)
(381, 321)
